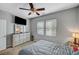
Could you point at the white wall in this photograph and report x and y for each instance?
(28, 25)
(66, 24)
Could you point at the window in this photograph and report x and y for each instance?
(40, 27)
(51, 27)
(47, 27)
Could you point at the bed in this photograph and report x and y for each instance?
(44, 47)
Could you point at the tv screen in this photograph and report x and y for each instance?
(19, 20)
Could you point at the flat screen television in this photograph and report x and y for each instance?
(19, 20)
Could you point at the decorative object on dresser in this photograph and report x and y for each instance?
(18, 29)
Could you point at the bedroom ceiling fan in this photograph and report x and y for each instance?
(33, 9)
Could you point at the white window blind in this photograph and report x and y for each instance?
(40, 27)
(47, 27)
(51, 27)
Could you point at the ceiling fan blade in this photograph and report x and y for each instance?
(31, 5)
(37, 13)
(24, 9)
(29, 13)
(40, 9)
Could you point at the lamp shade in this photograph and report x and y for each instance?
(75, 35)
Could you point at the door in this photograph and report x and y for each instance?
(2, 28)
(2, 43)
(2, 34)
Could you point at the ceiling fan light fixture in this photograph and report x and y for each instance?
(34, 10)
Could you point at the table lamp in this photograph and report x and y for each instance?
(75, 35)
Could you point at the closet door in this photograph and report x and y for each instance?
(2, 34)
(2, 28)
(2, 43)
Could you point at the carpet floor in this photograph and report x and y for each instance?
(15, 50)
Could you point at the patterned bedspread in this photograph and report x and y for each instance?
(43, 47)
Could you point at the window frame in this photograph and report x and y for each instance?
(44, 26)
